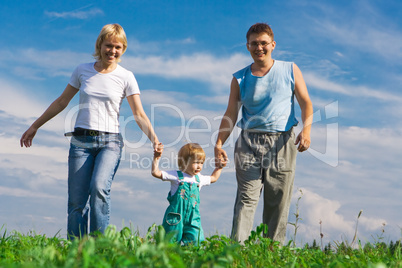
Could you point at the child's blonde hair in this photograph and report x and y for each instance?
(190, 151)
(109, 31)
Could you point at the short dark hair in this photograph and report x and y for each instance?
(260, 28)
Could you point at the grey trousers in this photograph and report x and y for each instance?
(264, 162)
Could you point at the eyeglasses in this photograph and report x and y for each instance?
(257, 44)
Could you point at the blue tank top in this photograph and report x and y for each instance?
(267, 101)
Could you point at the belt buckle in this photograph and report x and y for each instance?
(93, 133)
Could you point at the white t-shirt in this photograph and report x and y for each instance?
(172, 176)
(101, 96)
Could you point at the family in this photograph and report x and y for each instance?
(265, 151)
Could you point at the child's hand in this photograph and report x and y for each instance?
(158, 150)
(220, 162)
(221, 157)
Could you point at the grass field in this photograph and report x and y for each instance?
(125, 248)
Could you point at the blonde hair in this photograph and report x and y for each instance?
(110, 31)
(190, 151)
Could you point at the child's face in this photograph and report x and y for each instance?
(194, 167)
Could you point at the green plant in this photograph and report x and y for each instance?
(297, 216)
(126, 248)
(357, 221)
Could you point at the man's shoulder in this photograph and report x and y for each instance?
(284, 63)
(240, 73)
(285, 67)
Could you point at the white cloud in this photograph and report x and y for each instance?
(321, 83)
(9, 144)
(319, 214)
(186, 41)
(178, 104)
(22, 105)
(10, 98)
(215, 72)
(199, 66)
(372, 224)
(375, 33)
(315, 209)
(363, 179)
(75, 14)
(16, 192)
(204, 67)
(339, 54)
(41, 64)
(12, 94)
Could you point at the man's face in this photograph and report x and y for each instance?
(260, 46)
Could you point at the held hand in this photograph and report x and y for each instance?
(303, 141)
(27, 137)
(221, 157)
(158, 150)
(220, 162)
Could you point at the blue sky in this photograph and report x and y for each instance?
(183, 54)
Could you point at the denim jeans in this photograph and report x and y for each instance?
(92, 164)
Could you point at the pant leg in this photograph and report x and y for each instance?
(192, 229)
(80, 166)
(173, 223)
(249, 186)
(278, 184)
(106, 163)
(193, 233)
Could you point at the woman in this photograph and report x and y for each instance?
(96, 145)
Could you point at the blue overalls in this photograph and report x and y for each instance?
(183, 214)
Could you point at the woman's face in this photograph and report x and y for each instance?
(111, 50)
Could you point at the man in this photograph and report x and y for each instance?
(265, 152)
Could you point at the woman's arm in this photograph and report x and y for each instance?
(142, 119)
(55, 108)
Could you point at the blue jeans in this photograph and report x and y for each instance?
(92, 164)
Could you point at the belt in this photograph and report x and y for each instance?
(86, 132)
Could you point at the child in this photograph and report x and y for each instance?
(183, 214)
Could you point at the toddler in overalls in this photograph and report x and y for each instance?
(183, 214)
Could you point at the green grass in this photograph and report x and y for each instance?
(125, 248)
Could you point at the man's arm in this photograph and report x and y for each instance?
(229, 120)
(303, 139)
